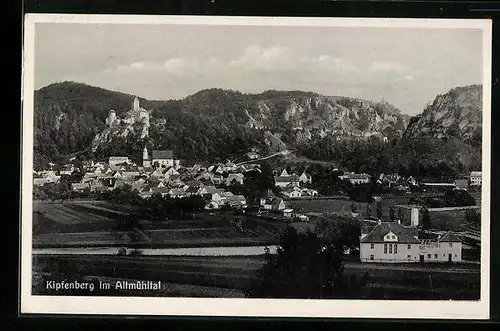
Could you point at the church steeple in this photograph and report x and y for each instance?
(146, 162)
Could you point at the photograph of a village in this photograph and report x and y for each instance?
(257, 161)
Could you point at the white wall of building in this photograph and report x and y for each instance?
(410, 253)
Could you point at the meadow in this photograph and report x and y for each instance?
(96, 224)
(233, 274)
(445, 220)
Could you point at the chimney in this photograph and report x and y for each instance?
(399, 221)
(414, 217)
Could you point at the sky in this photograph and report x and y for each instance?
(407, 67)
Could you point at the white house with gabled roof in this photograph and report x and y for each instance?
(391, 242)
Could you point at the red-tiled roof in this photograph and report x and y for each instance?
(405, 234)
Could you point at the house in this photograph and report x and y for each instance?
(309, 191)
(206, 176)
(234, 178)
(177, 193)
(66, 170)
(160, 190)
(292, 192)
(391, 242)
(462, 184)
(146, 192)
(212, 205)
(158, 173)
(138, 184)
(358, 178)
(253, 155)
(130, 172)
(192, 190)
(287, 213)
(80, 187)
(286, 181)
(279, 204)
(229, 166)
(114, 160)
(303, 218)
(225, 196)
(217, 179)
(237, 201)
(40, 181)
(219, 169)
(195, 183)
(162, 158)
(96, 185)
(476, 178)
(305, 178)
(213, 197)
(411, 181)
(208, 190)
(171, 171)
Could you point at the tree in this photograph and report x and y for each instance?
(473, 217)
(309, 264)
(379, 210)
(368, 211)
(391, 214)
(426, 219)
(458, 198)
(353, 207)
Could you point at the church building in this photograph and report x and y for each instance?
(159, 157)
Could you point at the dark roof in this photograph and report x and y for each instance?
(405, 234)
(163, 154)
(284, 179)
(450, 237)
(192, 189)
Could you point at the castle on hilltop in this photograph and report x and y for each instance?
(136, 114)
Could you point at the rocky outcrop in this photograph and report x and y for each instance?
(456, 114)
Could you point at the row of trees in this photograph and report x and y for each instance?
(451, 198)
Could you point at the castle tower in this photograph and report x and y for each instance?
(111, 118)
(135, 105)
(146, 162)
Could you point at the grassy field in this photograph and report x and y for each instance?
(96, 224)
(447, 220)
(232, 274)
(76, 217)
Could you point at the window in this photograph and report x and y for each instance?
(428, 256)
(409, 246)
(408, 256)
(372, 246)
(385, 248)
(451, 244)
(372, 257)
(395, 248)
(435, 256)
(390, 248)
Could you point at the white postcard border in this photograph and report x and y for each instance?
(247, 307)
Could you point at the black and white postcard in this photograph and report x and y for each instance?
(252, 166)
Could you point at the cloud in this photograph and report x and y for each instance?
(254, 60)
(409, 78)
(378, 66)
(275, 58)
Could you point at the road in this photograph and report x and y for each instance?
(263, 158)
